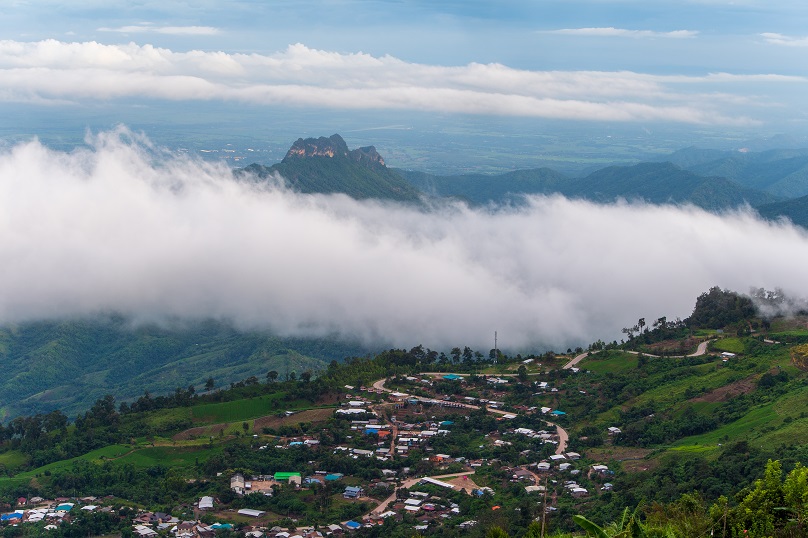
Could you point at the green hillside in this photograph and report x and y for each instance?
(482, 189)
(662, 183)
(69, 364)
(658, 183)
(695, 432)
(796, 210)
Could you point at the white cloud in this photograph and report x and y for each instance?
(301, 76)
(622, 32)
(123, 227)
(789, 41)
(145, 28)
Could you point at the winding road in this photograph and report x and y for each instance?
(700, 350)
(563, 436)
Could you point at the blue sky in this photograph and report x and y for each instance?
(704, 63)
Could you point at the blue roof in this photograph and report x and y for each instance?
(371, 430)
(447, 423)
(13, 515)
(353, 525)
(333, 476)
(452, 377)
(556, 412)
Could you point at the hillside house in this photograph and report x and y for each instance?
(353, 492)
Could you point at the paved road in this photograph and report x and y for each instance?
(700, 350)
(576, 360)
(563, 436)
(408, 484)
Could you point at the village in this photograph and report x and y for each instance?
(390, 422)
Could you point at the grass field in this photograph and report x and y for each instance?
(96, 456)
(615, 362)
(13, 459)
(169, 456)
(242, 409)
(731, 345)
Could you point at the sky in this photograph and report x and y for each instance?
(702, 63)
(116, 223)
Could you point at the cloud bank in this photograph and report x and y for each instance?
(145, 28)
(622, 32)
(122, 226)
(300, 76)
(789, 41)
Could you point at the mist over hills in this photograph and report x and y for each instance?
(157, 236)
(714, 180)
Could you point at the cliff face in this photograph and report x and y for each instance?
(332, 147)
(326, 165)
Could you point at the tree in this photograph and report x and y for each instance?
(641, 324)
(496, 532)
(209, 384)
(306, 376)
(272, 376)
(521, 373)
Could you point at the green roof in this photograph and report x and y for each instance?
(285, 476)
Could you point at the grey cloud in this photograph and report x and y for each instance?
(121, 226)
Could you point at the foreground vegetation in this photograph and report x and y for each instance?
(707, 444)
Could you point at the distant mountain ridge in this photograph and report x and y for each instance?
(775, 180)
(657, 183)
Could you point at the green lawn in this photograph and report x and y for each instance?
(731, 345)
(616, 362)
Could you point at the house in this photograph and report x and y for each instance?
(206, 503)
(251, 513)
(579, 492)
(238, 484)
(142, 530)
(613, 430)
(288, 477)
(353, 492)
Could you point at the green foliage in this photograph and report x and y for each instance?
(718, 308)
(68, 365)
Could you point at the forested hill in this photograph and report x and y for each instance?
(652, 182)
(69, 364)
(326, 165)
(714, 180)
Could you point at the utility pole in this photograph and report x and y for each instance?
(544, 508)
(496, 351)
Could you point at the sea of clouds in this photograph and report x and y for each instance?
(123, 226)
